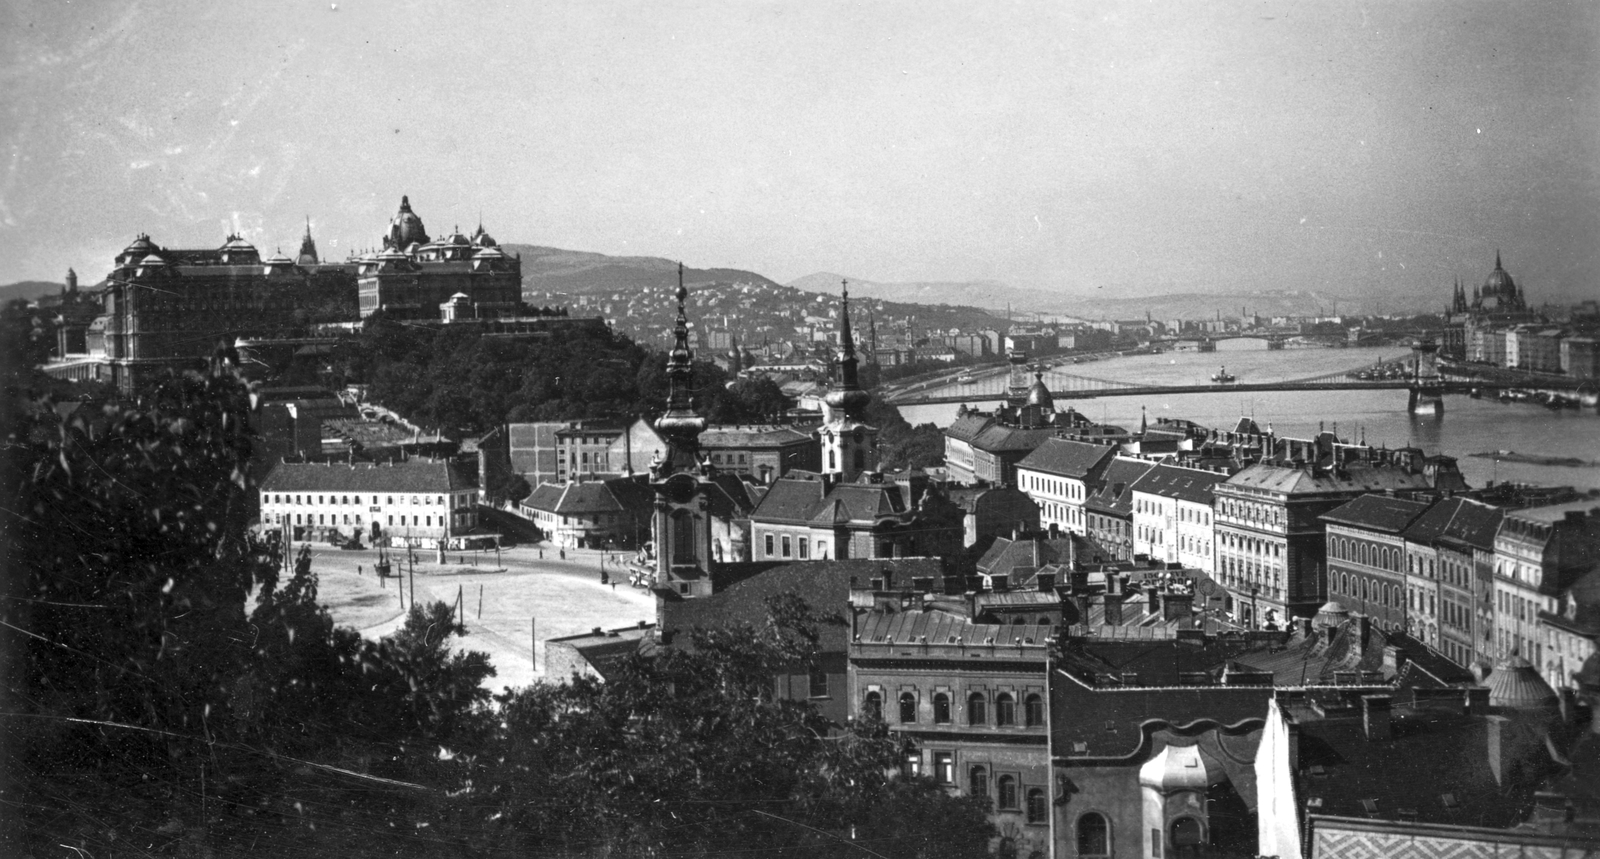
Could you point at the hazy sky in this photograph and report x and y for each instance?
(1360, 148)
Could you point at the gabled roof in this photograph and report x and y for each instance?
(1114, 494)
(801, 498)
(1005, 555)
(1184, 484)
(1379, 513)
(1003, 439)
(967, 427)
(617, 495)
(414, 475)
(1076, 459)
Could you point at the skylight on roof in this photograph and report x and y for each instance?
(1449, 800)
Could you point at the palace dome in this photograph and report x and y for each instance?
(406, 227)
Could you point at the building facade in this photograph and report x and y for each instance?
(414, 275)
(417, 502)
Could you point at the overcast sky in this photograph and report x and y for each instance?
(1358, 148)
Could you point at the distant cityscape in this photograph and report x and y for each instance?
(1163, 640)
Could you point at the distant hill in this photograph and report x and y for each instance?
(582, 273)
(29, 289)
(988, 294)
(1193, 305)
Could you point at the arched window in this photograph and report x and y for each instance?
(1038, 809)
(941, 709)
(1008, 792)
(1187, 836)
(978, 781)
(1005, 709)
(1094, 836)
(872, 705)
(977, 709)
(1361, 551)
(1033, 711)
(908, 707)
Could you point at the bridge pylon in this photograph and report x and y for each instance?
(1427, 386)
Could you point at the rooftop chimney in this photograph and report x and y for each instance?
(1375, 717)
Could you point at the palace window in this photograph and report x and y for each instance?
(977, 709)
(1038, 809)
(1005, 710)
(978, 781)
(1033, 711)
(944, 767)
(872, 705)
(908, 708)
(941, 708)
(1008, 792)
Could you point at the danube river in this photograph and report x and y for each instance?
(1467, 427)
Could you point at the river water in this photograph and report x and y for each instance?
(1467, 426)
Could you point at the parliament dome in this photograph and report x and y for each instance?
(1499, 281)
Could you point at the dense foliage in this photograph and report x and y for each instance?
(691, 753)
(175, 689)
(456, 379)
(901, 445)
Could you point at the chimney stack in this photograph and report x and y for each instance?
(1375, 717)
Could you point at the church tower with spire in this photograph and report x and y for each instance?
(679, 477)
(308, 248)
(849, 444)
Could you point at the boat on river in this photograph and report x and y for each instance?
(966, 379)
(1222, 376)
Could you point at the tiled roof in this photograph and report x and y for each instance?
(967, 427)
(1077, 459)
(937, 627)
(1116, 722)
(1184, 484)
(824, 585)
(802, 500)
(1377, 513)
(1004, 555)
(414, 475)
(1114, 495)
(1474, 525)
(751, 437)
(592, 496)
(1358, 477)
(1001, 439)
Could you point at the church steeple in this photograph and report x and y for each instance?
(680, 426)
(308, 248)
(847, 394)
(849, 445)
(679, 477)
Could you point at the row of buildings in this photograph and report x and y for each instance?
(1091, 699)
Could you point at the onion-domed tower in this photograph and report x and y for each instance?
(679, 477)
(849, 444)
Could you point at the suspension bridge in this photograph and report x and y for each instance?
(1064, 385)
